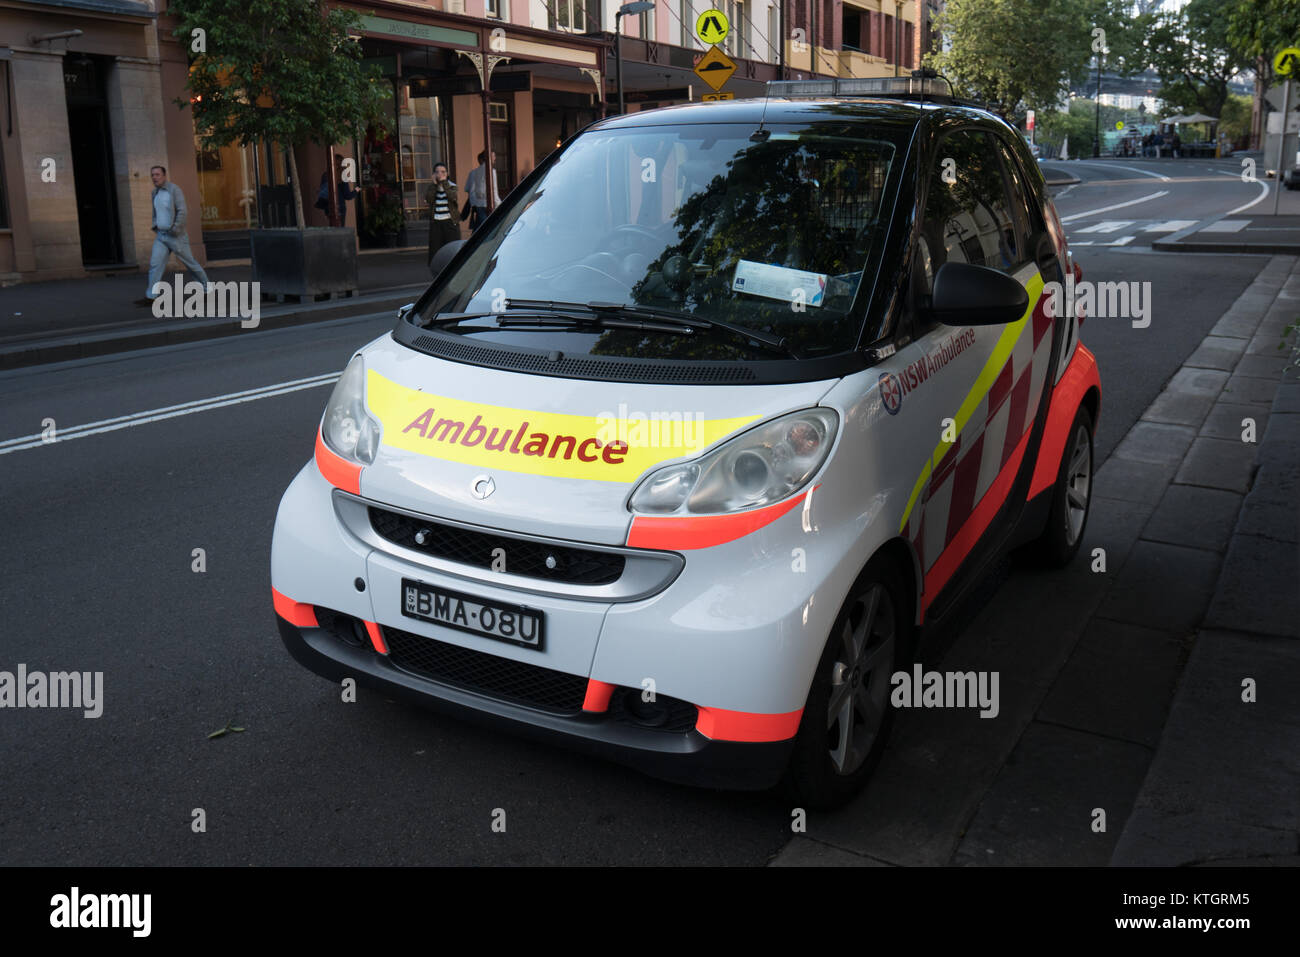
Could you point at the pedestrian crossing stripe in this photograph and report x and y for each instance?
(1107, 226)
(1171, 226)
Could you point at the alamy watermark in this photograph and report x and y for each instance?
(657, 429)
(1103, 300)
(75, 910)
(946, 689)
(55, 689)
(216, 300)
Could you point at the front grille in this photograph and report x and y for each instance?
(576, 566)
(490, 675)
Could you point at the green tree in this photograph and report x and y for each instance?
(1017, 54)
(1234, 122)
(281, 70)
(1191, 52)
(1257, 30)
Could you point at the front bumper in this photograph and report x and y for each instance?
(733, 639)
(685, 757)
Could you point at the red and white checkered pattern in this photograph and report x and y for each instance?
(968, 469)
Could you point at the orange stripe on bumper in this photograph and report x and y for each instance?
(598, 695)
(1080, 376)
(721, 725)
(337, 470)
(294, 612)
(376, 637)
(970, 533)
(705, 531)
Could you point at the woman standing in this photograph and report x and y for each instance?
(441, 198)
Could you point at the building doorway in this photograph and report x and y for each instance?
(85, 86)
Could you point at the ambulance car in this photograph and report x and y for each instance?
(717, 414)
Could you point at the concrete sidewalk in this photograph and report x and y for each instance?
(1134, 705)
(56, 321)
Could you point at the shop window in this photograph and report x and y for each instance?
(227, 195)
(735, 40)
(576, 16)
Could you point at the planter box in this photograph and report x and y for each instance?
(305, 262)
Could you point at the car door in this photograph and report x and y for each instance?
(984, 393)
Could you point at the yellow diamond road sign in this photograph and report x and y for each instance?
(715, 68)
(712, 26)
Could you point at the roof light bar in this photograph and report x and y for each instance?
(900, 86)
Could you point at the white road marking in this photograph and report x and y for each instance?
(1225, 226)
(1122, 241)
(1108, 226)
(1171, 226)
(1134, 169)
(167, 412)
(1245, 206)
(1106, 209)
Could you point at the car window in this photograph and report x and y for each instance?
(968, 215)
(1031, 223)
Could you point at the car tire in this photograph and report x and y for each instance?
(1071, 498)
(837, 749)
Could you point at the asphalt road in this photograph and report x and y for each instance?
(99, 533)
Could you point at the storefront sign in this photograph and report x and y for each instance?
(419, 31)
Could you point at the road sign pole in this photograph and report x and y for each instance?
(1281, 145)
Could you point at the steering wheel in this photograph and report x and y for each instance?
(600, 272)
(636, 229)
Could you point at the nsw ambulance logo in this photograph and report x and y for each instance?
(891, 392)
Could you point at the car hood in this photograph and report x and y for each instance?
(537, 454)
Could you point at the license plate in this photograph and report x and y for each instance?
(492, 619)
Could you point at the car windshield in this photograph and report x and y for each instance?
(768, 231)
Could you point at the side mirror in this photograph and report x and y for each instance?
(443, 256)
(967, 295)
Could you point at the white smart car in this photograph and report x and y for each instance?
(683, 451)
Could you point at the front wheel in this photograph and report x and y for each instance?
(1071, 498)
(847, 716)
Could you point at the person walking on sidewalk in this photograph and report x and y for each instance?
(476, 186)
(169, 233)
(441, 198)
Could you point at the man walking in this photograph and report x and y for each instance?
(442, 202)
(169, 233)
(476, 186)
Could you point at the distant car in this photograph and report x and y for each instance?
(721, 409)
(1034, 151)
(1291, 178)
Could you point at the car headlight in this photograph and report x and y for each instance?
(347, 427)
(758, 467)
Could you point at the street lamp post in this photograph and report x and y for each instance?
(637, 6)
(1096, 143)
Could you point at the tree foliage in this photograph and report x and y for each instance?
(1017, 54)
(1191, 51)
(281, 70)
(1258, 29)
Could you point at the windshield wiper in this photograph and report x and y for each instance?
(679, 320)
(594, 322)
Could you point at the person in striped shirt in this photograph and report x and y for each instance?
(441, 197)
